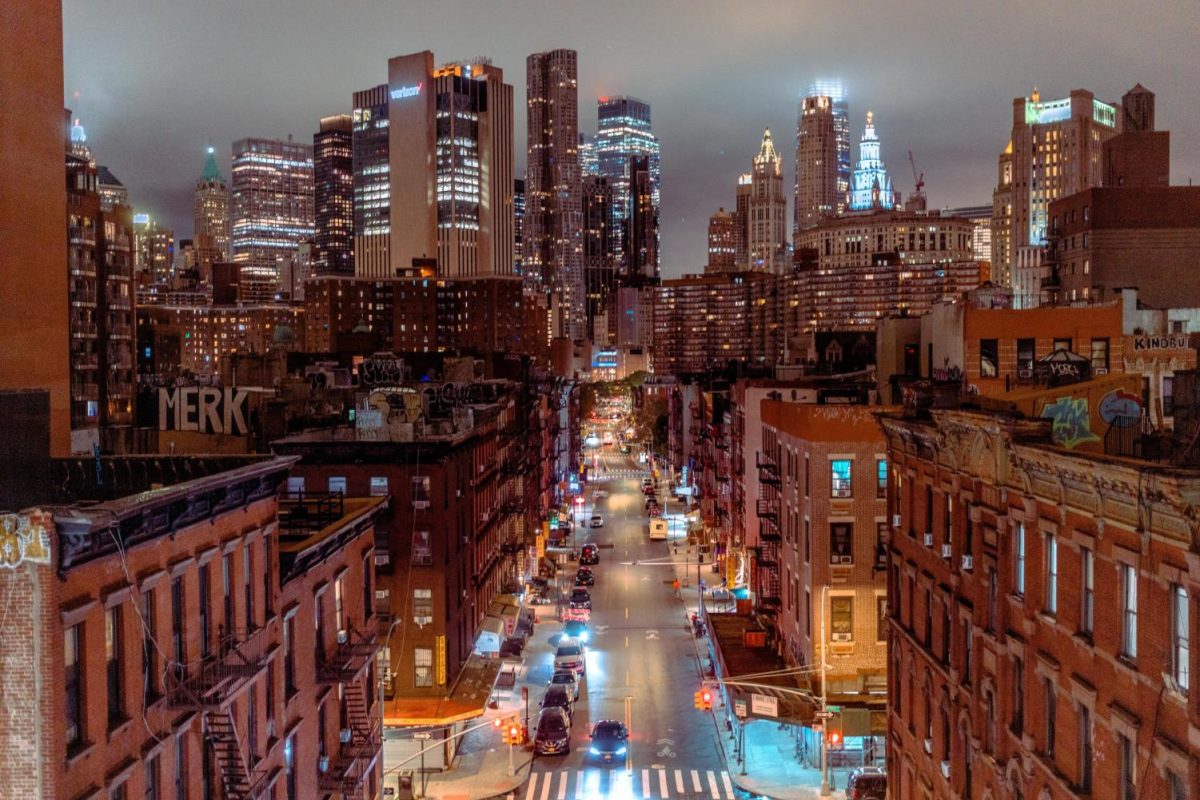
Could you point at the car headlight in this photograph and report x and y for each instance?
(583, 637)
(621, 750)
(594, 751)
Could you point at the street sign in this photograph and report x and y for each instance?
(823, 715)
(739, 709)
(764, 705)
(423, 735)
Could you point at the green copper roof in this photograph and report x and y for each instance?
(211, 173)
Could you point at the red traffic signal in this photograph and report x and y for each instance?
(703, 699)
(834, 738)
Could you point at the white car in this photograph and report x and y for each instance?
(597, 521)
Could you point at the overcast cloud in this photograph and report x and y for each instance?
(157, 80)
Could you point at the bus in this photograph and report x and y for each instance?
(658, 529)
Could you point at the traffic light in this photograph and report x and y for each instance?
(834, 739)
(703, 699)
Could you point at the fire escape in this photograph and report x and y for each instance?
(360, 738)
(208, 687)
(769, 537)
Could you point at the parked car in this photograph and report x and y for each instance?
(577, 614)
(655, 511)
(559, 696)
(567, 678)
(651, 501)
(553, 736)
(866, 783)
(569, 655)
(512, 647)
(585, 577)
(581, 597)
(577, 630)
(590, 554)
(597, 521)
(610, 741)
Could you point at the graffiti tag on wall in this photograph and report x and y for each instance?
(22, 541)
(1071, 421)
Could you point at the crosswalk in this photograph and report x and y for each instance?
(640, 784)
(601, 474)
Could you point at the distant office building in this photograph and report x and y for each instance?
(372, 203)
(741, 221)
(870, 186)
(766, 211)
(210, 218)
(154, 249)
(588, 162)
(551, 243)
(518, 226)
(703, 322)
(1002, 219)
(112, 191)
(833, 89)
(641, 241)
(333, 196)
(722, 242)
(817, 167)
(271, 210)
(624, 133)
(981, 218)
(599, 265)
(1054, 151)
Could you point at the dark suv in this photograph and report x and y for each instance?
(866, 783)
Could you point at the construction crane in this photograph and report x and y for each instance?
(919, 180)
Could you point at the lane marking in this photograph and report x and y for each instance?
(696, 780)
(562, 785)
(679, 781)
(728, 784)
(532, 786)
(626, 613)
(712, 786)
(645, 783)
(662, 783)
(579, 784)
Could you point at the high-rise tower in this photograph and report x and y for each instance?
(552, 248)
(272, 210)
(372, 187)
(767, 210)
(624, 132)
(210, 217)
(871, 187)
(333, 196)
(817, 174)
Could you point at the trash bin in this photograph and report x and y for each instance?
(404, 790)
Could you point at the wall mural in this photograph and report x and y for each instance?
(22, 541)
(1071, 421)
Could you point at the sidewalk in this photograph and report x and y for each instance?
(480, 769)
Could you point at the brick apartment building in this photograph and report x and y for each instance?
(176, 635)
(1043, 602)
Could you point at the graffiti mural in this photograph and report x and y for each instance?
(1121, 408)
(22, 541)
(1071, 421)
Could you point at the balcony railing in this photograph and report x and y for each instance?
(210, 682)
(302, 513)
(354, 649)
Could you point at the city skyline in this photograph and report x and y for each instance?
(954, 120)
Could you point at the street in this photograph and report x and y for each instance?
(642, 663)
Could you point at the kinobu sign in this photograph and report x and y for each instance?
(203, 409)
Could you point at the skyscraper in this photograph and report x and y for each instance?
(372, 205)
(817, 173)
(741, 222)
(153, 249)
(552, 246)
(624, 132)
(518, 227)
(766, 211)
(588, 163)
(722, 242)
(210, 218)
(599, 267)
(272, 210)
(333, 196)
(1055, 151)
(641, 240)
(871, 187)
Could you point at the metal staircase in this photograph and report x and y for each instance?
(228, 757)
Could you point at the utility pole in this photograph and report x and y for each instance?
(824, 704)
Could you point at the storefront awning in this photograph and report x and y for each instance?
(467, 698)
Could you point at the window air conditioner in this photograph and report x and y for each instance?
(968, 563)
(929, 745)
(344, 736)
(946, 770)
(895, 520)
(842, 637)
(946, 551)
(343, 636)
(928, 539)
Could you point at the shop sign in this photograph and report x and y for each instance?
(1176, 341)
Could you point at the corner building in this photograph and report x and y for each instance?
(1042, 608)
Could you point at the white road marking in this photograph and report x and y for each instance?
(662, 783)
(712, 786)
(679, 781)
(645, 783)
(546, 786)
(728, 784)
(562, 785)
(532, 786)
(696, 780)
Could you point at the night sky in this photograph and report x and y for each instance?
(155, 81)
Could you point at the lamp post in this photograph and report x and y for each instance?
(824, 703)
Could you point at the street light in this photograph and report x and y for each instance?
(824, 700)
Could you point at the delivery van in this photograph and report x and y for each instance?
(658, 529)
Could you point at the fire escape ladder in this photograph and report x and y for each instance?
(226, 747)
(346, 774)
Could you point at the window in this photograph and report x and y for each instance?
(881, 478)
(1018, 710)
(1099, 354)
(1176, 786)
(841, 618)
(113, 647)
(881, 615)
(118, 792)
(989, 357)
(420, 491)
(289, 766)
(205, 602)
(1087, 589)
(1026, 355)
(248, 586)
(1126, 769)
(948, 520)
(807, 613)
(968, 651)
(319, 628)
(989, 732)
(337, 484)
(1062, 344)
(368, 590)
(339, 610)
(807, 473)
(1085, 748)
(1051, 702)
(807, 540)
(73, 688)
(178, 641)
(881, 553)
(423, 665)
(149, 648)
(289, 655)
(422, 550)
(1168, 395)
(1177, 326)
(295, 485)
(968, 531)
(379, 486)
(841, 543)
(181, 776)
(1019, 560)
(226, 589)
(252, 723)
(267, 605)
(947, 633)
(840, 475)
(1051, 579)
(422, 606)
(929, 509)
(1128, 611)
(1179, 637)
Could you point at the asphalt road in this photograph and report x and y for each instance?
(641, 665)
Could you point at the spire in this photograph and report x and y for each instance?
(767, 151)
(79, 146)
(870, 186)
(211, 173)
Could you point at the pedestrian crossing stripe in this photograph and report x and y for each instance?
(640, 784)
